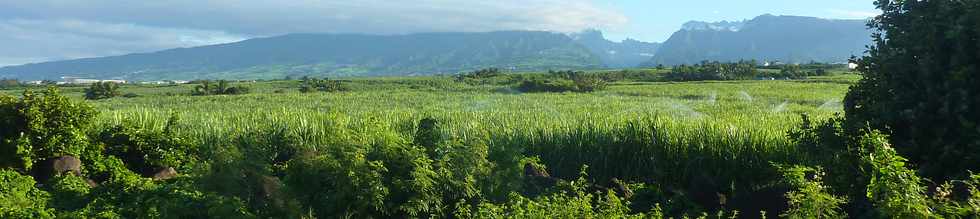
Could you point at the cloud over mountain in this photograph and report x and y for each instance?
(41, 30)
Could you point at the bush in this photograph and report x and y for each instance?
(482, 77)
(322, 85)
(895, 189)
(20, 199)
(741, 70)
(222, 87)
(39, 126)
(69, 192)
(920, 84)
(546, 85)
(145, 151)
(809, 197)
(563, 81)
(102, 90)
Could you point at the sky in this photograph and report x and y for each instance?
(47, 30)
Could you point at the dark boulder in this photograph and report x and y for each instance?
(164, 173)
(537, 180)
(620, 188)
(58, 165)
(270, 191)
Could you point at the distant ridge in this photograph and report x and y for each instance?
(331, 55)
(789, 39)
(626, 54)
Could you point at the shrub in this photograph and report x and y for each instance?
(20, 199)
(895, 189)
(546, 85)
(69, 192)
(713, 71)
(102, 90)
(482, 77)
(353, 182)
(920, 84)
(144, 150)
(809, 197)
(322, 85)
(563, 81)
(39, 126)
(222, 87)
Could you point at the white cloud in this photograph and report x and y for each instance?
(27, 41)
(62, 29)
(269, 17)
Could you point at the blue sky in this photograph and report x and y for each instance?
(47, 30)
(655, 20)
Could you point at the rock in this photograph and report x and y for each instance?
(533, 171)
(54, 166)
(271, 191)
(165, 173)
(537, 179)
(91, 183)
(620, 188)
(66, 164)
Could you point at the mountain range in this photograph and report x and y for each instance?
(626, 54)
(782, 38)
(331, 55)
(788, 39)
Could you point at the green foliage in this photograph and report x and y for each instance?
(957, 198)
(793, 71)
(143, 199)
(631, 75)
(831, 144)
(145, 150)
(102, 90)
(39, 126)
(322, 85)
(222, 87)
(20, 199)
(741, 70)
(563, 81)
(895, 189)
(69, 192)
(482, 76)
(353, 182)
(920, 84)
(809, 197)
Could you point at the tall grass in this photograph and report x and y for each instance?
(669, 133)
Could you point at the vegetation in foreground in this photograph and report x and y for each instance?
(434, 153)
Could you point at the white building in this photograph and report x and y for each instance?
(74, 80)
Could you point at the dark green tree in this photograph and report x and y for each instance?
(920, 83)
(102, 90)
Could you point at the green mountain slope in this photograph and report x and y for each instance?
(331, 55)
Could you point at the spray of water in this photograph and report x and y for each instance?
(781, 107)
(712, 97)
(684, 110)
(745, 96)
(831, 105)
(479, 105)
